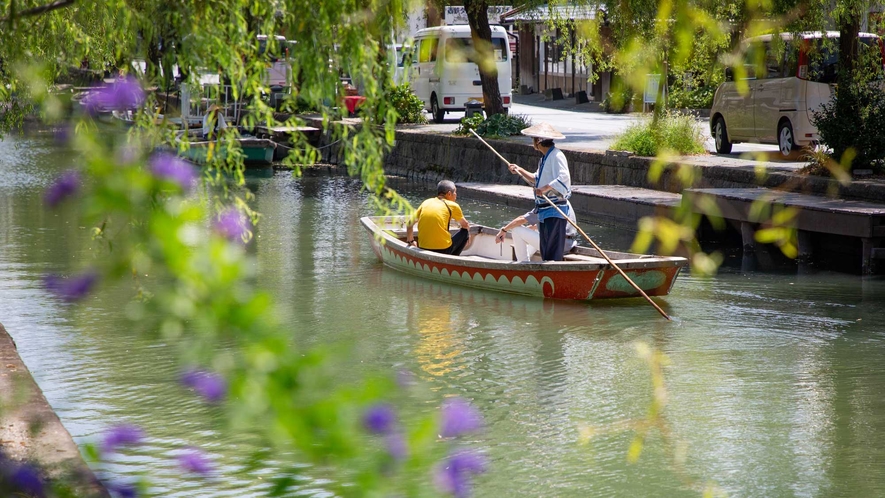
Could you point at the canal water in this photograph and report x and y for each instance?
(775, 382)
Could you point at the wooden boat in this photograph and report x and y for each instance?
(484, 264)
(257, 151)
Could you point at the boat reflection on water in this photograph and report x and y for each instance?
(259, 172)
(445, 297)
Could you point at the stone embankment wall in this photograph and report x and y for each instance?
(431, 157)
(31, 431)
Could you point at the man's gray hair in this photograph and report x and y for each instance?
(444, 187)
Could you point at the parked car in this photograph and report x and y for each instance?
(787, 80)
(444, 73)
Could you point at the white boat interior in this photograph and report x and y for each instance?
(484, 247)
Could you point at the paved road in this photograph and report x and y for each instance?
(588, 129)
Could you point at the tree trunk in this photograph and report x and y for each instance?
(848, 50)
(847, 96)
(481, 32)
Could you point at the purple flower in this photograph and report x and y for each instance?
(453, 475)
(71, 289)
(121, 435)
(122, 94)
(380, 419)
(27, 480)
(128, 154)
(459, 417)
(122, 489)
(170, 167)
(210, 386)
(65, 186)
(232, 224)
(62, 134)
(195, 461)
(396, 445)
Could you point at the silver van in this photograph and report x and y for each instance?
(782, 83)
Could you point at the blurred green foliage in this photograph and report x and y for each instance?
(202, 291)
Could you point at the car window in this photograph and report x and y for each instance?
(754, 61)
(272, 55)
(407, 55)
(823, 56)
(870, 55)
(774, 60)
(462, 50)
(791, 58)
(427, 50)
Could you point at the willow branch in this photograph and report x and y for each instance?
(38, 10)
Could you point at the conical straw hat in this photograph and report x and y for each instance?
(544, 131)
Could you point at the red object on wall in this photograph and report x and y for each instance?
(352, 102)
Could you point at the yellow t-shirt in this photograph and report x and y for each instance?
(433, 222)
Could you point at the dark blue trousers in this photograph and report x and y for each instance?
(552, 232)
(459, 240)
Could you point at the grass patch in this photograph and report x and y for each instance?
(677, 133)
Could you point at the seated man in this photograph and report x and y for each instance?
(527, 240)
(213, 123)
(433, 217)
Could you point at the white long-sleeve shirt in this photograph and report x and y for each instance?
(553, 171)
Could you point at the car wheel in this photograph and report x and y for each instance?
(785, 140)
(438, 114)
(720, 137)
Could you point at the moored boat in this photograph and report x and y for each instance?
(484, 264)
(257, 151)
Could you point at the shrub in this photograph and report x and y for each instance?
(854, 122)
(498, 125)
(619, 100)
(408, 106)
(821, 164)
(674, 132)
(698, 98)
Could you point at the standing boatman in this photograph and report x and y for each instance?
(552, 179)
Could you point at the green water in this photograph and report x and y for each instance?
(775, 386)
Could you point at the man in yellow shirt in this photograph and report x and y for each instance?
(433, 218)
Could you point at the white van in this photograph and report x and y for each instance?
(787, 80)
(444, 73)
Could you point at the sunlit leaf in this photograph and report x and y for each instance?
(635, 449)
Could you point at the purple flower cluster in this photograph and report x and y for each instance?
(20, 479)
(123, 94)
(459, 417)
(209, 385)
(454, 475)
(64, 186)
(232, 224)
(195, 461)
(119, 436)
(71, 289)
(62, 134)
(171, 168)
(122, 489)
(381, 419)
